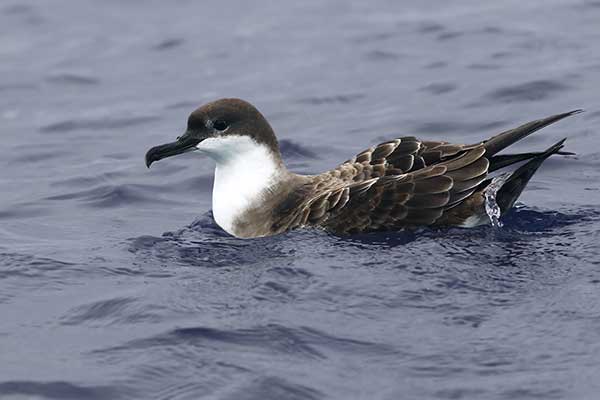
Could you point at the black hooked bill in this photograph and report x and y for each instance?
(183, 144)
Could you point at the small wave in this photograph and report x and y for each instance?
(22, 274)
(591, 4)
(97, 124)
(204, 244)
(112, 311)
(449, 127)
(23, 210)
(28, 266)
(502, 55)
(17, 86)
(290, 149)
(388, 239)
(273, 387)
(73, 79)
(449, 35)
(340, 98)
(439, 88)
(373, 37)
(271, 338)
(493, 30)
(17, 9)
(484, 66)
(592, 115)
(114, 195)
(528, 91)
(168, 44)
(182, 104)
(81, 181)
(61, 390)
(436, 65)
(530, 250)
(39, 156)
(430, 27)
(535, 393)
(382, 55)
(462, 393)
(527, 219)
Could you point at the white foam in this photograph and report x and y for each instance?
(491, 205)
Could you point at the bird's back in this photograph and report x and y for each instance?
(399, 183)
(407, 182)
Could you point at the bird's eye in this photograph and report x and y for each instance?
(220, 125)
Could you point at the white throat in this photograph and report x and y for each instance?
(244, 173)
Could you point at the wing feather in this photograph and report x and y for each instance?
(461, 186)
(387, 191)
(470, 171)
(403, 182)
(465, 159)
(428, 200)
(400, 183)
(436, 184)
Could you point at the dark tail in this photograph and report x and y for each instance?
(514, 185)
(501, 141)
(504, 160)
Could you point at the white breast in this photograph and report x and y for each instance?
(245, 171)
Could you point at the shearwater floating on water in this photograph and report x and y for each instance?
(401, 183)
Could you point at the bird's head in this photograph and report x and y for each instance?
(221, 129)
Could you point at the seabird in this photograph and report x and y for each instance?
(402, 183)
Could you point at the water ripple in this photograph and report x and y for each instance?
(273, 387)
(114, 195)
(446, 127)
(73, 79)
(270, 339)
(60, 390)
(28, 266)
(205, 244)
(193, 313)
(97, 124)
(340, 98)
(168, 44)
(439, 88)
(292, 150)
(529, 91)
(112, 311)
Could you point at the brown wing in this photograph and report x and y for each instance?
(396, 184)
(395, 157)
(404, 182)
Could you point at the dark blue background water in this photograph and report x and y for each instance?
(115, 283)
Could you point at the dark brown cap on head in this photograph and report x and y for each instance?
(234, 117)
(220, 118)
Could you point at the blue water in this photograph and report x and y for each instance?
(115, 282)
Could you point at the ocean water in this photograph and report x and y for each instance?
(115, 282)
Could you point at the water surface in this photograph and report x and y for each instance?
(115, 282)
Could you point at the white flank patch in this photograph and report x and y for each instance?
(244, 171)
(472, 221)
